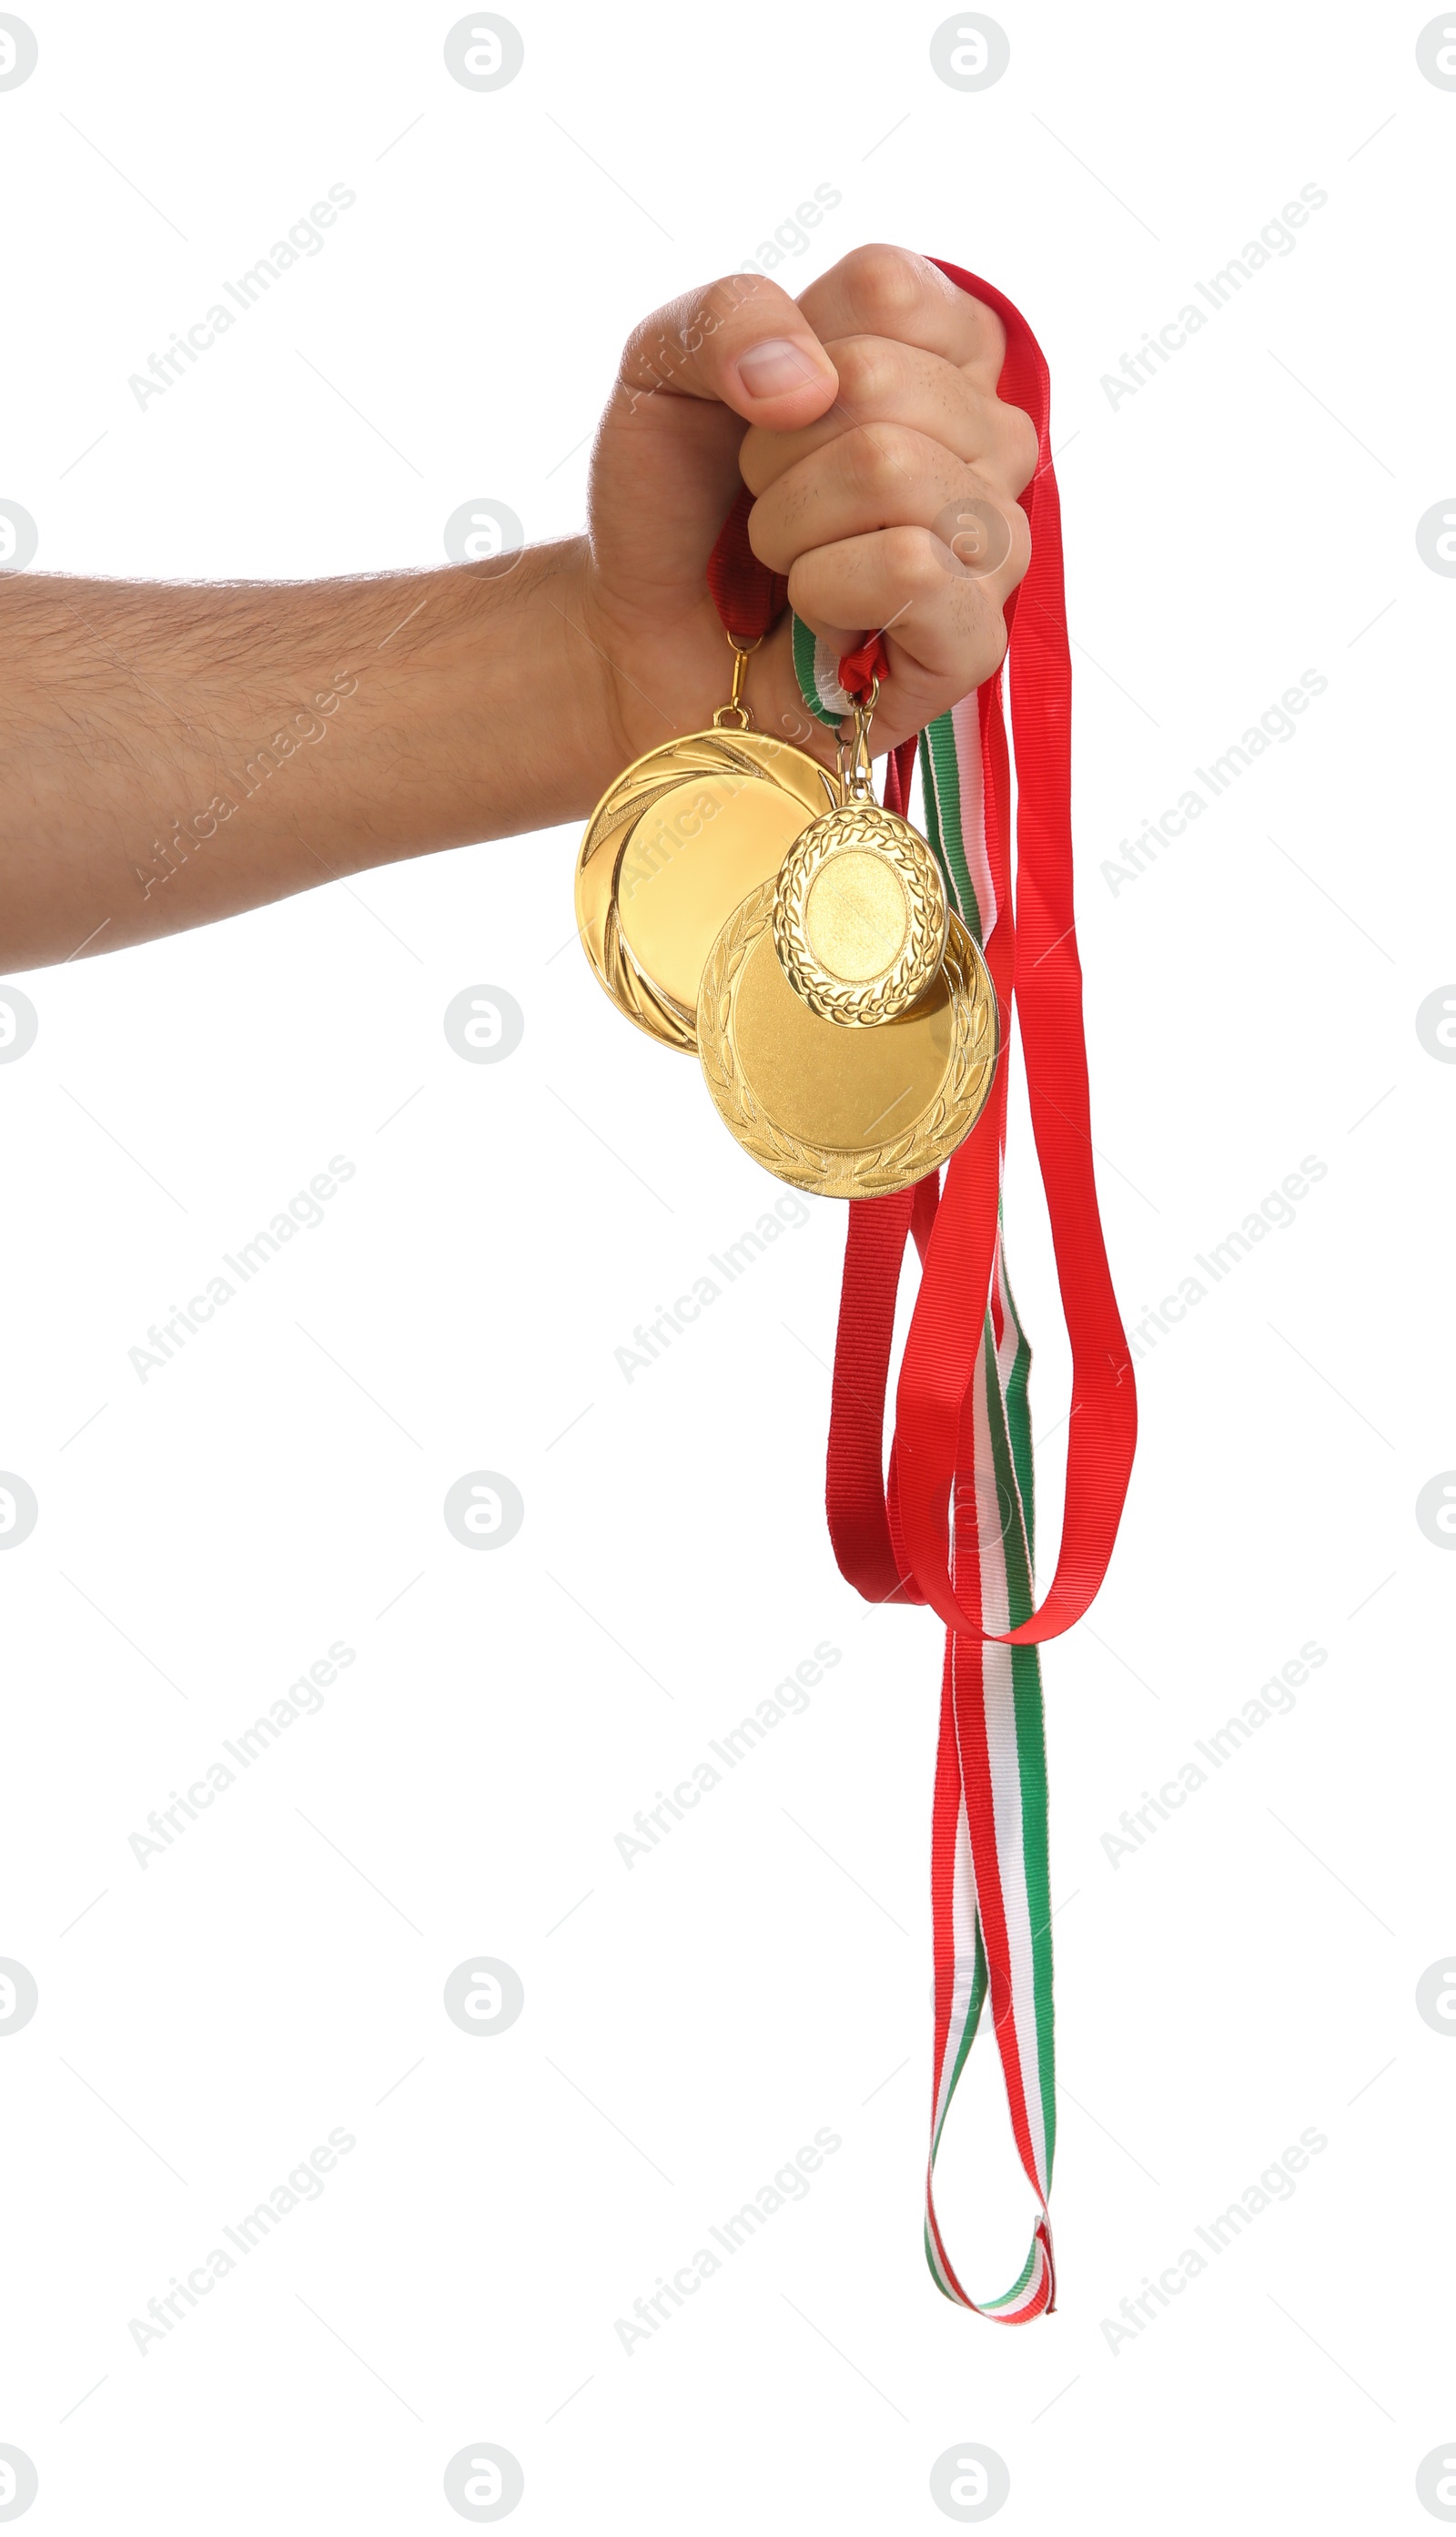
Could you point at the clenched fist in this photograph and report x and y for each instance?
(862, 417)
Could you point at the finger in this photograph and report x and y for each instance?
(742, 343)
(906, 584)
(910, 696)
(887, 291)
(882, 476)
(882, 381)
(943, 629)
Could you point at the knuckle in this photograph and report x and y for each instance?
(914, 562)
(987, 533)
(888, 283)
(878, 461)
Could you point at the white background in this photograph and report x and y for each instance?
(1249, 514)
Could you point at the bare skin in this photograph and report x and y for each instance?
(176, 753)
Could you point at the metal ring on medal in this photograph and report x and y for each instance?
(859, 915)
(844, 1113)
(681, 837)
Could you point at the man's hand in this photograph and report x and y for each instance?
(178, 754)
(872, 416)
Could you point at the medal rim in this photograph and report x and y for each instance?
(600, 857)
(862, 1004)
(836, 1171)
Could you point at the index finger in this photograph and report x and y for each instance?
(888, 291)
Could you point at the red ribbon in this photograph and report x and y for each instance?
(749, 599)
(893, 1539)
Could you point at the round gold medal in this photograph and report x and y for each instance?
(859, 915)
(844, 1113)
(671, 849)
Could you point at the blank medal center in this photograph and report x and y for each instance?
(856, 916)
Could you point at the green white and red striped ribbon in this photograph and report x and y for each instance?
(816, 668)
(990, 1900)
(990, 1903)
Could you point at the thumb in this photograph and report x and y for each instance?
(742, 343)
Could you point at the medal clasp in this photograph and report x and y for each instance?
(736, 711)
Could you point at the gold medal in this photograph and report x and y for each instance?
(677, 842)
(859, 914)
(844, 1113)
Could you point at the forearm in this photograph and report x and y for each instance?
(178, 754)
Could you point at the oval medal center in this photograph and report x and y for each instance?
(855, 915)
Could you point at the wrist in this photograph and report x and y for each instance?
(545, 731)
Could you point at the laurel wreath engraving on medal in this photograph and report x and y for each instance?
(830, 1171)
(863, 828)
(754, 758)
